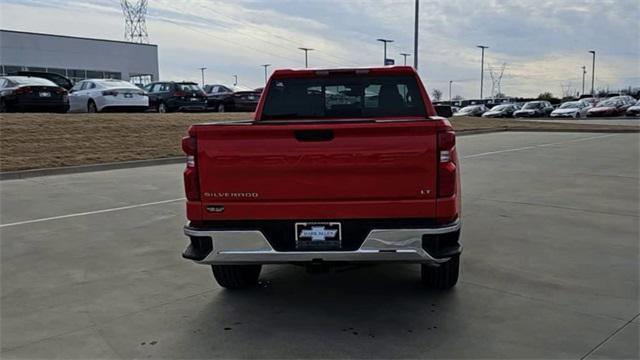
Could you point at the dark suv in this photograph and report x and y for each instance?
(223, 98)
(169, 96)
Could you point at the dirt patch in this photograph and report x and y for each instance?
(34, 141)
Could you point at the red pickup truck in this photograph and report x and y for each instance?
(337, 166)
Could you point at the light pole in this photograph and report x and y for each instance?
(584, 72)
(306, 58)
(235, 80)
(593, 71)
(482, 69)
(385, 41)
(450, 82)
(415, 37)
(405, 57)
(265, 72)
(202, 69)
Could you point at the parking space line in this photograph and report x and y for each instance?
(537, 146)
(90, 213)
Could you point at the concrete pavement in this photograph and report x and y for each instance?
(91, 268)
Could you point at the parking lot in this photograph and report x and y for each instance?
(91, 268)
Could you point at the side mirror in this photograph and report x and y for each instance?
(444, 111)
(71, 91)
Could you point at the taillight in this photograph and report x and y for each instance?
(447, 176)
(179, 93)
(109, 93)
(23, 90)
(61, 91)
(191, 185)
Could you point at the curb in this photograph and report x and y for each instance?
(24, 174)
(480, 131)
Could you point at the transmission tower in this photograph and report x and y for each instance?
(496, 79)
(135, 25)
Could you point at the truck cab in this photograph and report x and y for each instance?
(337, 166)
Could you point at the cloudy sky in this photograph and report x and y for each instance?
(543, 43)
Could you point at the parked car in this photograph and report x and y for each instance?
(610, 107)
(222, 98)
(298, 184)
(27, 94)
(634, 110)
(472, 110)
(169, 96)
(60, 80)
(501, 111)
(590, 101)
(98, 95)
(626, 99)
(573, 109)
(539, 108)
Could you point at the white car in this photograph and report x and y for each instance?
(573, 109)
(634, 110)
(96, 95)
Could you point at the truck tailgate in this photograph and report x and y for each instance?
(317, 170)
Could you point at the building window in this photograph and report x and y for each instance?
(11, 69)
(140, 79)
(112, 75)
(35, 68)
(76, 75)
(62, 72)
(93, 74)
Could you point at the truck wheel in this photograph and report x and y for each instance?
(236, 276)
(442, 277)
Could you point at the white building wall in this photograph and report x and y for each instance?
(63, 52)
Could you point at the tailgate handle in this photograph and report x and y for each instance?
(314, 135)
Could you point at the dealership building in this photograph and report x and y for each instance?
(78, 58)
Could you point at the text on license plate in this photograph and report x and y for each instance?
(318, 235)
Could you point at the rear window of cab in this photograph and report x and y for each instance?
(343, 96)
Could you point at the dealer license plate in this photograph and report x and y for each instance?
(318, 235)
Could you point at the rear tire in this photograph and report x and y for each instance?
(3, 106)
(221, 108)
(91, 107)
(442, 277)
(162, 108)
(236, 276)
(578, 116)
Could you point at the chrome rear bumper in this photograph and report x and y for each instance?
(251, 246)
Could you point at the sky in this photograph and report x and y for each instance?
(542, 44)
